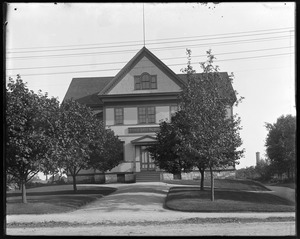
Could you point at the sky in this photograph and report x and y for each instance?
(49, 44)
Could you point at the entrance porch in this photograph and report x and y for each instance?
(146, 170)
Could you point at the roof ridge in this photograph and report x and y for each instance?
(144, 52)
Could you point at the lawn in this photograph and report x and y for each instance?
(191, 199)
(230, 184)
(53, 199)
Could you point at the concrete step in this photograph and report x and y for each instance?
(148, 176)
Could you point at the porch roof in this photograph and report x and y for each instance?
(144, 140)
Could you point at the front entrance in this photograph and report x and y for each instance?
(147, 163)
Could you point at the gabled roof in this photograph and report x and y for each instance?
(85, 90)
(224, 83)
(88, 90)
(144, 52)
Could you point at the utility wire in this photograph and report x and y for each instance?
(129, 45)
(115, 69)
(110, 43)
(123, 62)
(252, 57)
(158, 49)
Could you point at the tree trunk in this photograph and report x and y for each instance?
(53, 178)
(24, 198)
(212, 185)
(202, 179)
(74, 183)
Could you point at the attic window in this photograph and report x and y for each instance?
(145, 82)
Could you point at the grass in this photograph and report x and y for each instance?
(230, 184)
(226, 200)
(53, 199)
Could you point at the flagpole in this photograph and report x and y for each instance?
(144, 25)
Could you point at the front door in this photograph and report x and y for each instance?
(147, 163)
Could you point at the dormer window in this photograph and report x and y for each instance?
(145, 82)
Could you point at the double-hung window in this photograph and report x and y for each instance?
(145, 82)
(146, 115)
(119, 116)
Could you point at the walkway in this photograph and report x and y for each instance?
(284, 192)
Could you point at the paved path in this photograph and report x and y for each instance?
(284, 192)
(140, 202)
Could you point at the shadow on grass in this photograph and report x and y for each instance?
(194, 200)
(57, 199)
(63, 190)
(105, 191)
(229, 184)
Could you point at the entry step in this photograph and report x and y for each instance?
(148, 176)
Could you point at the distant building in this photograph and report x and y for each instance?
(257, 158)
(132, 104)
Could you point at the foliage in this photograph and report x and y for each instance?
(280, 144)
(43, 137)
(246, 173)
(35, 178)
(166, 152)
(214, 4)
(83, 142)
(262, 172)
(213, 137)
(200, 134)
(106, 150)
(29, 119)
(76, 126)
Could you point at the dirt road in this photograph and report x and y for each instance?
(226, 229)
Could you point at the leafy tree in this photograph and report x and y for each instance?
(189, 157)
(280, 144)
(76, 126)
(264, 170)
(213, 137)
(246, 173)
(29, 119)
(106, 149)
(83, 142)
(166, 151)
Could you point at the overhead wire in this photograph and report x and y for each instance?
(123, 62)
(156, 43)
(158, 49)
(118, 69)
(164, 48)
(150, 40)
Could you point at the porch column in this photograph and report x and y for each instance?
(137, 165)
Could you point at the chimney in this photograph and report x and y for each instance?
(257, 157)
